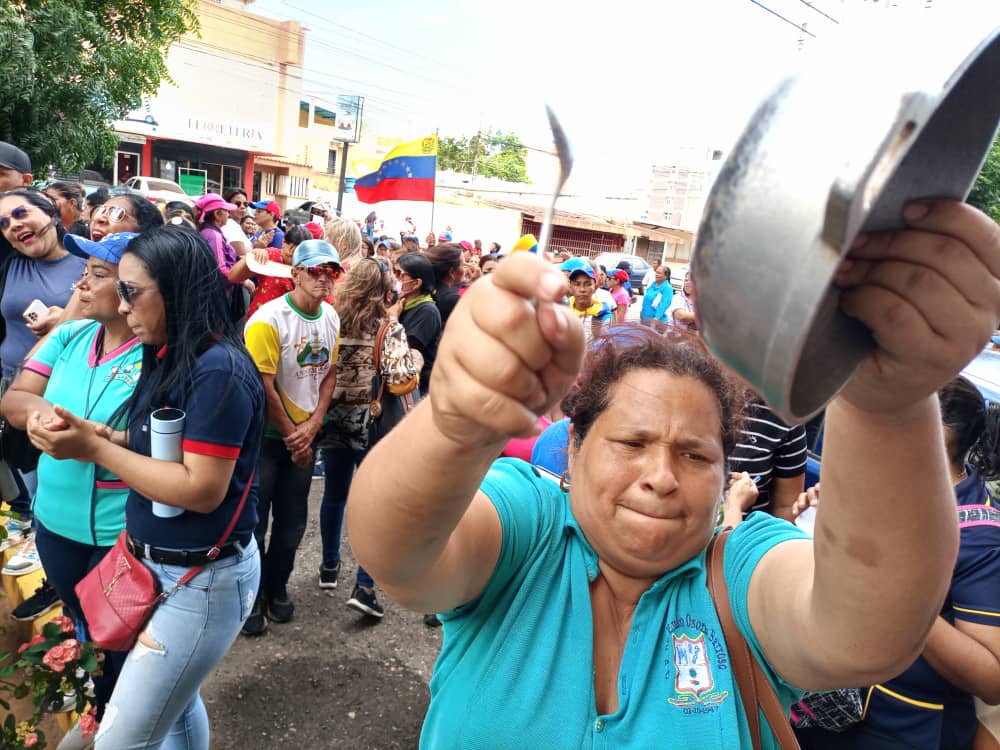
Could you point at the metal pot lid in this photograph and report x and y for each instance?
(819, 163)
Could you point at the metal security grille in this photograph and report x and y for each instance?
(580, 242)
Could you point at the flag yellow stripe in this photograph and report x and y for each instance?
(423, 147)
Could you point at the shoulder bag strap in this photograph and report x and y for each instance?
(377, 356)
(216, 548)
(756, 692)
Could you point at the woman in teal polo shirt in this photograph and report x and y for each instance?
(576, 613)
(90, 367)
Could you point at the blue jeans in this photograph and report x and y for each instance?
(282, 498)
(66, 562)
(339, 464)
(156, 703)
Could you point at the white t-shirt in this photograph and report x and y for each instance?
(233, 234)
(604, 296)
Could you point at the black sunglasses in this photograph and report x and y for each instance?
(128, 292)
(18, 214)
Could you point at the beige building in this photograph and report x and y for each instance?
(234, 115)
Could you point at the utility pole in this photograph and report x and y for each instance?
(475, 154)
(343, 178)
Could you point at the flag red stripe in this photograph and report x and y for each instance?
(401, 189)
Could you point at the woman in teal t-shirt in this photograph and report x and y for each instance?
(91, 367)
(575, 612)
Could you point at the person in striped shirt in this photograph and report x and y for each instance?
(774, 455)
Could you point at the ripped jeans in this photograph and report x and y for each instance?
(156, 702)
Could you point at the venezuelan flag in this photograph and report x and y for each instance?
(406, 174)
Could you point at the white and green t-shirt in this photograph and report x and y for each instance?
(81, 501)
(297, 349)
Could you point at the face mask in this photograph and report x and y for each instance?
(399, 286)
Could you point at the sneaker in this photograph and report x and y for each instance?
(73, 739)
(328, 576)
(280, 607)
(364, 601)
(255, 624)
(44, 599)
(25, 560)
(432, 621)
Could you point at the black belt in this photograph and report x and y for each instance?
(181, 557)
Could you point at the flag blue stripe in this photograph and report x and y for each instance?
(401, 167)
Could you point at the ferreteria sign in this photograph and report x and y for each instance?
(247, 133)
(208, 128)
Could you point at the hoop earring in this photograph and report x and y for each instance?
(564, 481)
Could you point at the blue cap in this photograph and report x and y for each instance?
(315, 253)
(110, 249)
(576, 265)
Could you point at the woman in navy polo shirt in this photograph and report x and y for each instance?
(172, 295)
(930, 705)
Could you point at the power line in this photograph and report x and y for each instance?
(803, 29)
(813, 7)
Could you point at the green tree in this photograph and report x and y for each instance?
(985, 193)
(70, 68)
(493, 154)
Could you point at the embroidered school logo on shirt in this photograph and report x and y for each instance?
(694, 683)
(128, 374)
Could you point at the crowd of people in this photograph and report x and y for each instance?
(601, 451)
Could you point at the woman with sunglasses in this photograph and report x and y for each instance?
(124, 212)
(172, 296)
(361, 304)
(233, 229)
(417, 312)
(91, 367)
(41, 269)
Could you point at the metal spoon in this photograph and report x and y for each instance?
(565, 167)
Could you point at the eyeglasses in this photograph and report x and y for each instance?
(18, 214)
(331, 272)
(115, 213)
(128, 292)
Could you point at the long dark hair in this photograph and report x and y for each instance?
(444, 258)
(196, 312)
(974, 428)
(43, 203)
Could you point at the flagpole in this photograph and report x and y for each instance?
(434, 199)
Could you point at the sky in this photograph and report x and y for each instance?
(632, 81)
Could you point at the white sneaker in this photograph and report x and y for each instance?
(26, 560)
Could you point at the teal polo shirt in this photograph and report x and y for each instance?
(516, 668)
(76, 500)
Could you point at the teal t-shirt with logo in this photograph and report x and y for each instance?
(516, 668)
(81, 501)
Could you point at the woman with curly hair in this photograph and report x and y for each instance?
(361, 304)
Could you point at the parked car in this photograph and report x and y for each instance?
(159, 190)
(638, 265)
(983, 372)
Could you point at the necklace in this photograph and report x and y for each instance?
(88, 407)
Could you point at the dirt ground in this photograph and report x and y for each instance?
(331, 677)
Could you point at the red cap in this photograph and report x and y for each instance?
(619, 274)
(315, 230)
